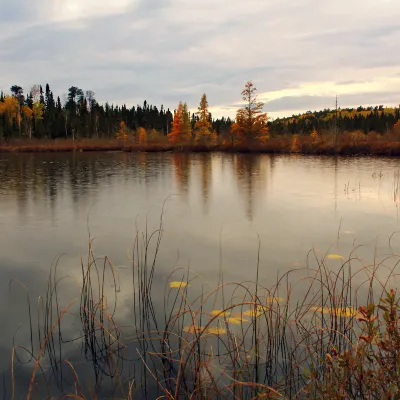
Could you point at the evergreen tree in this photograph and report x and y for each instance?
(203, 125)
(187, 127)
(251, 122)
(176, 135)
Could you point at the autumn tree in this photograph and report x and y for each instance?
(27, 114)
(314, 134)
(176, 135)
(203, 124)
(10, 108)
(396, 128)
(122, 132)
(251, 121)
(142, 134)
(187, 126)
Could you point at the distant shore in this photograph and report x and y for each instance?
(285, 144)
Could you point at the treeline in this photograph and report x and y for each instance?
(370, 119)
(39, 114)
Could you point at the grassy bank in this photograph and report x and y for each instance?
(303, 337)
(348, 143)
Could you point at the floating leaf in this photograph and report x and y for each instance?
(236, 320)
(178, 284)
(193, 329)
(254, 313)
(340, 312)
(348, 232)
(217, 331)
(335, 257)
(220, 312)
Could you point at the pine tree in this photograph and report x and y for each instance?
(187, 126)
(251, 122)
(176, 134)
(203, 124)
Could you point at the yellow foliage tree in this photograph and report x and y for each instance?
(10, 108)
(122, 132)
(37, 111)
(203, 125)
(251, 122)
(27, 114)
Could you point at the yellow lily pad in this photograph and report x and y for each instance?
(335, 257)
(236, 320)
(217, 331)
(254, 313)
(178, 284)
(220, 312)
(193, 329)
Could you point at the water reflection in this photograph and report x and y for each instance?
(182, 169)
(44, 179)
(292, 202)
(206, 178)
(252, 174)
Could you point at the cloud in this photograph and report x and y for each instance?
(166, 51)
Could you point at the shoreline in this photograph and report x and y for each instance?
(279, 145)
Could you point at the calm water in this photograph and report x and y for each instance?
(217, 205)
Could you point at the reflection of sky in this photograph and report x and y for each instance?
(219, 202)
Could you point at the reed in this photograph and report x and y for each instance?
(304, 337)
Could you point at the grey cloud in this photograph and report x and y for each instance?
(312, 103)
(146, 53)
(16, 10)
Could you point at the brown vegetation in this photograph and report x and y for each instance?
(349, 143)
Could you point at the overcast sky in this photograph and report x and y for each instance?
(299, 53)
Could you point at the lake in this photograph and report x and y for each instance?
(218, 210)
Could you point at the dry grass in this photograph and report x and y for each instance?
(348, 143)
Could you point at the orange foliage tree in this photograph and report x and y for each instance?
(122, 132)
(396, 128)
(251, 123)
(177, 133)
(142, 135)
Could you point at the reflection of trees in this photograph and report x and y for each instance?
(42, 178)
(206, 177)
(252, 172)
(182, 165)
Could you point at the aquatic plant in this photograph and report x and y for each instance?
(304, 337)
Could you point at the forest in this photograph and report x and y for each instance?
(40, 115)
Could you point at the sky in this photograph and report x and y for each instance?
(299, 54)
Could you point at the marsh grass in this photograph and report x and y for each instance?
(348, 143)
(304, 337)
